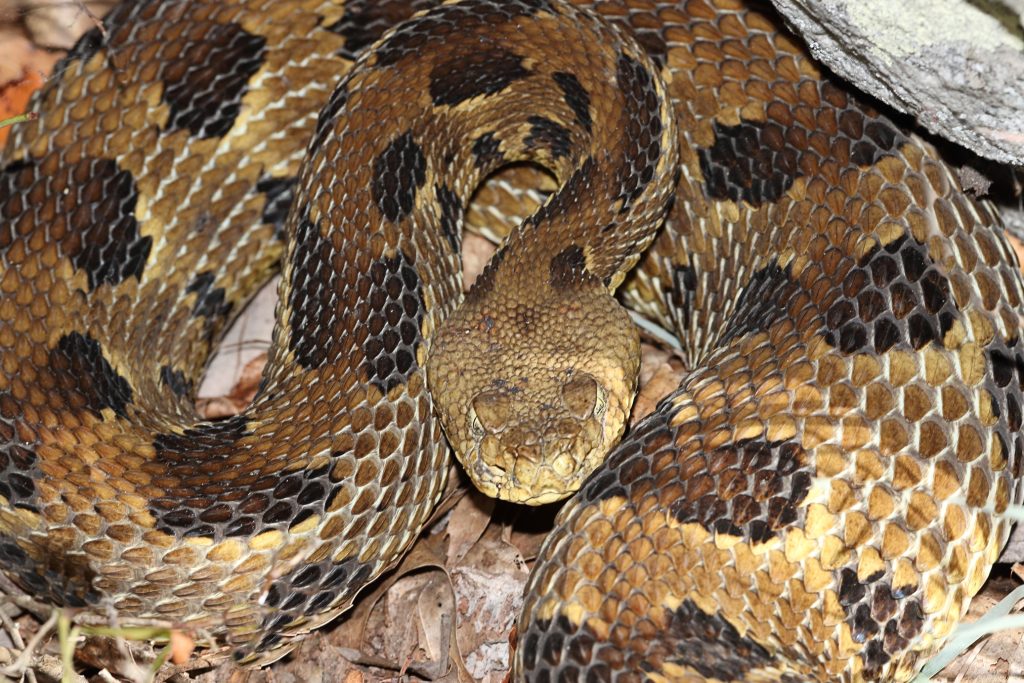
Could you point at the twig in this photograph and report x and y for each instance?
(97, 22)
(21, 664)
(15, 632)
(20, 118)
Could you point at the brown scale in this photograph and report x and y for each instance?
(821, 497)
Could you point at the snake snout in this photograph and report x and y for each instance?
(534, 450)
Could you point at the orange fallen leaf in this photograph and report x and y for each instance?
(14, 96)
(182, 646)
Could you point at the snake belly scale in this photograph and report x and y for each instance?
(820, 498)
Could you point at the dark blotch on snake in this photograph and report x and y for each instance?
(72, 588)
(871, 136)
(451, 212)
(175, 380)
(80, 366)
(550, 135)
(396, 312)
(710, 645)
(1005, 376)
(567, 266)
(101, 237)
(760, 496)
(18, 470)
(558, 649)
(893, 296)
(203, 436)
(210, 302)
(364, 21)
(317, 585)
(758, 161)
(313, 295)
(278, 194)
(17, 179)
(561, 650)
(398, 173)
(486, 151)
(643, 129)
(750, 161)
(752, 489)
(896, 635)
(187, 510)
(205, 96)
(770, 296)
(577, 97)
(482, 71)
(884, 619)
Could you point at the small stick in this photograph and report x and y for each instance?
(20, 118)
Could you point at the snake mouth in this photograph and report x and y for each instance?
(497, 484)
(541, 453)
(523, 480)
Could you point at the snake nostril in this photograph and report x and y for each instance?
(530, 452)
(492, 409)
(564, 429)
(580, 395)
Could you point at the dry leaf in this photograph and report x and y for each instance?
(57, 24)
(1018, 246)
(231, 372)
(489, 586)
(23, 70)
(476, 251)
(467, 523)
(182, 646)
(998, 658)
(662, 380)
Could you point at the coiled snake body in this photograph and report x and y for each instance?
(820, 498)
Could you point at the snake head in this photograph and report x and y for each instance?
(533, 392)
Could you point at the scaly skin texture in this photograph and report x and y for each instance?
(149, 201)
(823, 494)
(819, 500)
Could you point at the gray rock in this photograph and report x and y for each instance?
(1014, 550)
(956, 69)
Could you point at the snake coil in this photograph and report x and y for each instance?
(818, 500)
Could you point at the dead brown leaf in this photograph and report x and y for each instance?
(182, 646)
(467, 523)
(476, 251)
(660, 374)
(1018, 247)
(489, 584)
(23, 69)
(998, 658)
(240, 396)
(56, 24)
